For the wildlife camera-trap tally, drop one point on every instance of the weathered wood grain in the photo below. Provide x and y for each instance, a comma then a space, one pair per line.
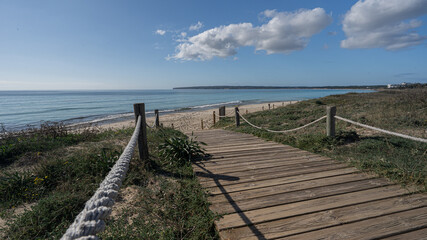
323, 219
273, 191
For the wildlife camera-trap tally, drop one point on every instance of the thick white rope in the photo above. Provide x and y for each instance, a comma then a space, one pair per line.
90, 221
382, 130
154, 124
284, 131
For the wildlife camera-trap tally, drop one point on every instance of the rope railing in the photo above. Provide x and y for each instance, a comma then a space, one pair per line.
330, 125
90, 221
154, 125
382, 130
283, 131
227, 115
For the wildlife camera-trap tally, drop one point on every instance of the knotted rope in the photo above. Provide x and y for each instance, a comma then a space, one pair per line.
90, 221
382, 130
284, 131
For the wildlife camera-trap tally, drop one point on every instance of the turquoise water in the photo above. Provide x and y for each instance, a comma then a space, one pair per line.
21, 108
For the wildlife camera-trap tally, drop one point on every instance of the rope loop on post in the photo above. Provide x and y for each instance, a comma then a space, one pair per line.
382, 130
154, 124
90, 221
284, 131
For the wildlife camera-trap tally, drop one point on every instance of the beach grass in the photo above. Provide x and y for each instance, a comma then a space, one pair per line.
32, 142
402, 111
41, 201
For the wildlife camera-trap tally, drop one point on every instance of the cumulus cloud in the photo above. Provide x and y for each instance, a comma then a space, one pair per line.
385, 24
285, 32
196, 26
160, 32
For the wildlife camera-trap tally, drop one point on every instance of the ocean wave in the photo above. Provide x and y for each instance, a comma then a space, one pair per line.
215, 104
102, 119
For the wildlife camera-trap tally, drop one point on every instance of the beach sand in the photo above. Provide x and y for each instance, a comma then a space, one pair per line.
191, 120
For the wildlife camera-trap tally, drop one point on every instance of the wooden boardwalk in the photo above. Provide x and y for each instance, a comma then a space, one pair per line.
272, 191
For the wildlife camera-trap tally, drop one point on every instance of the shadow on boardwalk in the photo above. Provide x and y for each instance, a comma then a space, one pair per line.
272, 191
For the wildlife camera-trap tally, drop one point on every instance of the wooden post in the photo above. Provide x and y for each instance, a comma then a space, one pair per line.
156, 113
139, 110
246, 111
269, 106
330, 121
214, 118
201, 122
236, 111
273, 106
283, 104
172, 126
221, 112
263, 108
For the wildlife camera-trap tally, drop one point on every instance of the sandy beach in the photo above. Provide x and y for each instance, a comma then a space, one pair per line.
191, 120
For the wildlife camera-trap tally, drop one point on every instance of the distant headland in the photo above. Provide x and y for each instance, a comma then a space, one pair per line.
279, 87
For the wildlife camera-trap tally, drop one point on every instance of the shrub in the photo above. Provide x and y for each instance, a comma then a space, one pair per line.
181, 150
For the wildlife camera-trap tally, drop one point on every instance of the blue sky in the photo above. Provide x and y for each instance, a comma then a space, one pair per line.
149, 44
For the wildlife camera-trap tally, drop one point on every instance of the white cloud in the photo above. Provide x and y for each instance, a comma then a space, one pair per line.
385, 24
183, 34
160, 32
284, 33
196, 26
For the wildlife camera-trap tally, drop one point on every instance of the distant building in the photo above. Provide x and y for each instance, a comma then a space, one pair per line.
400, 85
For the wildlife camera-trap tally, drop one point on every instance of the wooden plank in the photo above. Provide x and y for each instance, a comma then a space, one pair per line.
290, 187
287, 170
207, 175
320, 220
255, 183
296, 196
372, 228
263, 147
282, 156
212, 180
238, 145
416, 234
288, 210
255, 175
220, 142
253, 151
263, 164
278, 152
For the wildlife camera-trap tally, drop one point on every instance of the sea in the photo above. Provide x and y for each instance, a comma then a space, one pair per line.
22, 109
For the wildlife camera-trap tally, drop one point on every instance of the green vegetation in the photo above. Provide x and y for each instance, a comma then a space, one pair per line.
403, 111
168, 203
179, 150
66, 174
33, 141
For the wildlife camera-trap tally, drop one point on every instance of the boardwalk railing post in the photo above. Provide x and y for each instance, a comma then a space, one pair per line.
156, 112
221, 112
269, 106
236, 111
139, 110
214, 119
330, 121
201, 123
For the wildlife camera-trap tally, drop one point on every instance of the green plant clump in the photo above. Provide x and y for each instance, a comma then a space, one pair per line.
180, 150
